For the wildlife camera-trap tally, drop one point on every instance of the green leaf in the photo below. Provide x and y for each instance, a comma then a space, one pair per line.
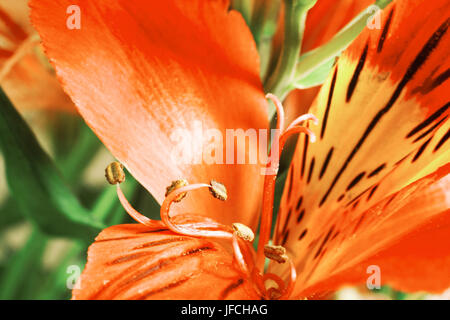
82, 152
36, 184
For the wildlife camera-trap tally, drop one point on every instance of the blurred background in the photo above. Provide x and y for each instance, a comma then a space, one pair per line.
49, 161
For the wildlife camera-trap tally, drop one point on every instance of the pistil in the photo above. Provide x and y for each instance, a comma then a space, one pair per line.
272, 170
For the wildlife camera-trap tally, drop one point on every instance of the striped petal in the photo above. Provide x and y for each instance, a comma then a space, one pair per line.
410, 246
384, 125
136, 262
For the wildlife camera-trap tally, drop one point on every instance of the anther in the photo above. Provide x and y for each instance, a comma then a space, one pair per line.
243, 232
218, 190
176, 185
114, 173
276, 253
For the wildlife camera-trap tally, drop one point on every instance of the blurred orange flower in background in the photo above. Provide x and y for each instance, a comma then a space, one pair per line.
25, 73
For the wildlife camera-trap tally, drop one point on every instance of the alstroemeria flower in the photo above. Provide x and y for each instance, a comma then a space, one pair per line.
25, 74
372, 190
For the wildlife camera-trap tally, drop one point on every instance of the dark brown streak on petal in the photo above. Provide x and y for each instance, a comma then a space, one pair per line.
356, 74
326, 162
385, 31
330, 98
161, 242
421, 150
358, 197
372, 192
442, 141
129, 257
432, 83
358, 224
288, 217
324, 242
172, 285
311, 169
285, 237
291, 183
426, 133
305, 150
231, 288
356, 180
377, 170
299, 203
300, 216
303, 234
429, 120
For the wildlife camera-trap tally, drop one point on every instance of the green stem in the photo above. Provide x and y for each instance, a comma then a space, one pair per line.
294, 25
311, 60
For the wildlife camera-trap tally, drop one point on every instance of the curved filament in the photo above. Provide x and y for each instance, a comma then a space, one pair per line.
192, 229
131, 211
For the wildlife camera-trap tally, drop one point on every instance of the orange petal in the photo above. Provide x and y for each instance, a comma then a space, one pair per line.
140, 71
384, 125
414, 257
133, 261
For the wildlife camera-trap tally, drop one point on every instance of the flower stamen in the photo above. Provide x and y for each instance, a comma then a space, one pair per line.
243, 232
138, 217
115, 175
276, 253
175, 185
193, 229
218, 190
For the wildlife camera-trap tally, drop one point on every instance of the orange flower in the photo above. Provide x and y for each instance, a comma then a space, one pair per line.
25, 74
373, 189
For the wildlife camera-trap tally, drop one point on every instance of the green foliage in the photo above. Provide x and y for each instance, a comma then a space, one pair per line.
36, 184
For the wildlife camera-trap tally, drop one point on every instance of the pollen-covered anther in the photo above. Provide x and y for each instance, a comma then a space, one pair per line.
218, 190
114, 173
243, 232
276, 253
176, 185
